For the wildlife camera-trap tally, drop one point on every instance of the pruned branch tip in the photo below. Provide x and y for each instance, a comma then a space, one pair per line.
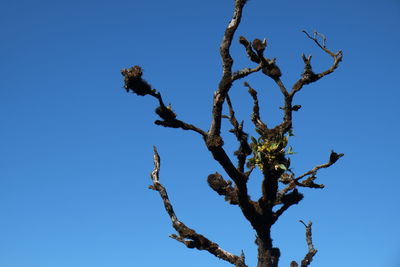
311, 250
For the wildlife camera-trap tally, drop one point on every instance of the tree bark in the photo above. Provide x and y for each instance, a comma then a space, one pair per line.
268, 256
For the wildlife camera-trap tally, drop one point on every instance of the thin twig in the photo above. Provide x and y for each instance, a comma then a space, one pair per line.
245, 72
309, 76
182, 125
292, 183
332, 159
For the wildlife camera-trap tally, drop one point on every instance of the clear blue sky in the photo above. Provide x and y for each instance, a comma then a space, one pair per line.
76, 149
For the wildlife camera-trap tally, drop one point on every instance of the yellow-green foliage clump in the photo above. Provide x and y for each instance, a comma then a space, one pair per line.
269, 152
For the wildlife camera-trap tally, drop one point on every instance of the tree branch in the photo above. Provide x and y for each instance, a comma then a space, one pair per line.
311, 250
134, 82
248, 207
255, 116
255, 53
223, 187
332, 159
286, 124
225, 84
249, 50
186, 235
214, 140
245, 72
227, 60
292, 182
180, 124
244, 148
308, 75
287, 200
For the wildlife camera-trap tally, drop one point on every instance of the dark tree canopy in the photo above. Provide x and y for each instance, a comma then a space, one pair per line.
269, 151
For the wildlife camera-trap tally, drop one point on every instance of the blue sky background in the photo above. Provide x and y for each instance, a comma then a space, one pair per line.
76, 149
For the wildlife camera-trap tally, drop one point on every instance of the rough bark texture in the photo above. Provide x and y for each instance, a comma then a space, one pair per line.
269, 151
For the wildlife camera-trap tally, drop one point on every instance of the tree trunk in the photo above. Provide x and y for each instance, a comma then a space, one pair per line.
267, 255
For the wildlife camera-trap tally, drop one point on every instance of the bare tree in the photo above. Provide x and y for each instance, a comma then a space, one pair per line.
269, 152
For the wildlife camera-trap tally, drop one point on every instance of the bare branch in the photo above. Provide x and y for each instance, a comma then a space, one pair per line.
226, 81
244, 148
249, 50
255, 52
271, 69
228, 36
292, 182
332, 159
248, 207
309, 182
245, 72
286, 124
311, 250
223, 187
186, 235
134, 82
282, 87
287, 200
308, 75
180, 124
214, 140
315, 39
292, 198
169, 119
255, 116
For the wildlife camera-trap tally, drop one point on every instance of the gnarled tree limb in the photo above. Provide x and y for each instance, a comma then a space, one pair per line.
308, 75
223, 187
186, 235
244, 148
311, 250
134, 82
255, 116
226, 81
292, 182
